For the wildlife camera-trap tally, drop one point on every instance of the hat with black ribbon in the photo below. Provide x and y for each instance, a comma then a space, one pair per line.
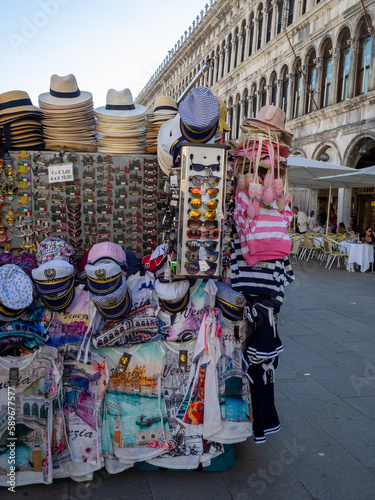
230, 302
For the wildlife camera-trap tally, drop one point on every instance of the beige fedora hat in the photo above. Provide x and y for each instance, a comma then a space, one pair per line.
16, 102
165, 105
120, 104
64, 91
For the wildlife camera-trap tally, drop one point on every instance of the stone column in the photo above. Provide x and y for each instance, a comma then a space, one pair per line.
242, 46
274, 19
304, 97
289, 109
371, 77
335, 76
236, 111
269, 94
343, 206
220, 64
318, 83
354, 42
255, 39
279, 92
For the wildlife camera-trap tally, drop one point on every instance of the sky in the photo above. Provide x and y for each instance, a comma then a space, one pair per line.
105, 43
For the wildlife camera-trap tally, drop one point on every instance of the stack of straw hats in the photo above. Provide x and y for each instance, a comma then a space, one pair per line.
165, 109
69, 119
120, 125
20, 122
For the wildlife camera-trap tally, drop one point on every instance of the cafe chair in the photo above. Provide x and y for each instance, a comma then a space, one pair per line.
334, 252
296, 246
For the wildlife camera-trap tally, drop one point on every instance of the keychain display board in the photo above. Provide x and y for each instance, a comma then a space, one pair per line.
201, 208
117, 198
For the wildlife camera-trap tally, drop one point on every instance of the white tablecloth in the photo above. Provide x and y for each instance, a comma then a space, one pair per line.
359, 253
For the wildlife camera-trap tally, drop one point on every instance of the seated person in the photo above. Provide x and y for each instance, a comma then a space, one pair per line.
350, 231
368, 236
318, 228
342, 229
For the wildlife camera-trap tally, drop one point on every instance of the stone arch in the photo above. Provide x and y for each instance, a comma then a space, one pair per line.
295, 151
351, 155
331, 148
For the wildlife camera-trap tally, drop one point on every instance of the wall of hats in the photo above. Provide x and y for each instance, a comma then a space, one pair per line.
202, 197
111, 198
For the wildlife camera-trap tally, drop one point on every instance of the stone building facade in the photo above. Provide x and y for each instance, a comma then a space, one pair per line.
313, 58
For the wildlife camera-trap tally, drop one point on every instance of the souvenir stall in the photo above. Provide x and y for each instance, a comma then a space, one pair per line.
139, 293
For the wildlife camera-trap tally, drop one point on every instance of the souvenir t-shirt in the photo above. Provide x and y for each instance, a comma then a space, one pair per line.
134, 422
200, 409
84, 387
234, 389
140, 324
30, 386
184, 325
189, 449
70, 331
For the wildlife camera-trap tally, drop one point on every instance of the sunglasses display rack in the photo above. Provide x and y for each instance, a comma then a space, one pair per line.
112, 198
201, 210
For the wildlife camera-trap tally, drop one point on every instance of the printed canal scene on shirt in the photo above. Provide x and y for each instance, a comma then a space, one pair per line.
134, 410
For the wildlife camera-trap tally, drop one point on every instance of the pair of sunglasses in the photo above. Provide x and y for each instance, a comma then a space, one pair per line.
198, 192
75, 233
194, 246
72, 225
74, 216
196, 215
74, 207
197, 224
195, 234
211, 205
198, 167
198, 180
194, 256
193, 268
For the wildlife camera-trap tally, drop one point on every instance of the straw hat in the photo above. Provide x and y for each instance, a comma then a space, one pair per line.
269, 118
64, 91
120, 104
16, 101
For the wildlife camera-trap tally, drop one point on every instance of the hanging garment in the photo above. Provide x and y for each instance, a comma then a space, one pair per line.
265, 280
234, 390
134, 421
70, 331
188, 447
266, 419
84, 387
262, 341
40, 436
141, 323
184, 325
200, 408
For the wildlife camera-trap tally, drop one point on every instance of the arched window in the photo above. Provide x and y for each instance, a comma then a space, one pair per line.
284, 89
236, 41
229, 52
246, 103
311, 83
263, 92
223, 61
280, 8
344, 66
251, 33
217, 63
26, 409
35, 410
297, 91
243, 45
269, 20
364, 58
290, 8
255, 100
327, 74
43, 413
260, 26
273, 84
303, 8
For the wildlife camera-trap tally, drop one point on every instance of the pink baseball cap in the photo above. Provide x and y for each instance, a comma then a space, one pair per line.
107, 250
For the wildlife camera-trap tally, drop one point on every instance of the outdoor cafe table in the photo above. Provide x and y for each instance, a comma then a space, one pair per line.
359, 253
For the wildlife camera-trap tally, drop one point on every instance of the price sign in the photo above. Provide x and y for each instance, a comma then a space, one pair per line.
60, 173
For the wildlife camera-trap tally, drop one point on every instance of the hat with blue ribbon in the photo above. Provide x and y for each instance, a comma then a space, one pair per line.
230, 302
53, 277
114, 305
59, 301
104, 277
174, 296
